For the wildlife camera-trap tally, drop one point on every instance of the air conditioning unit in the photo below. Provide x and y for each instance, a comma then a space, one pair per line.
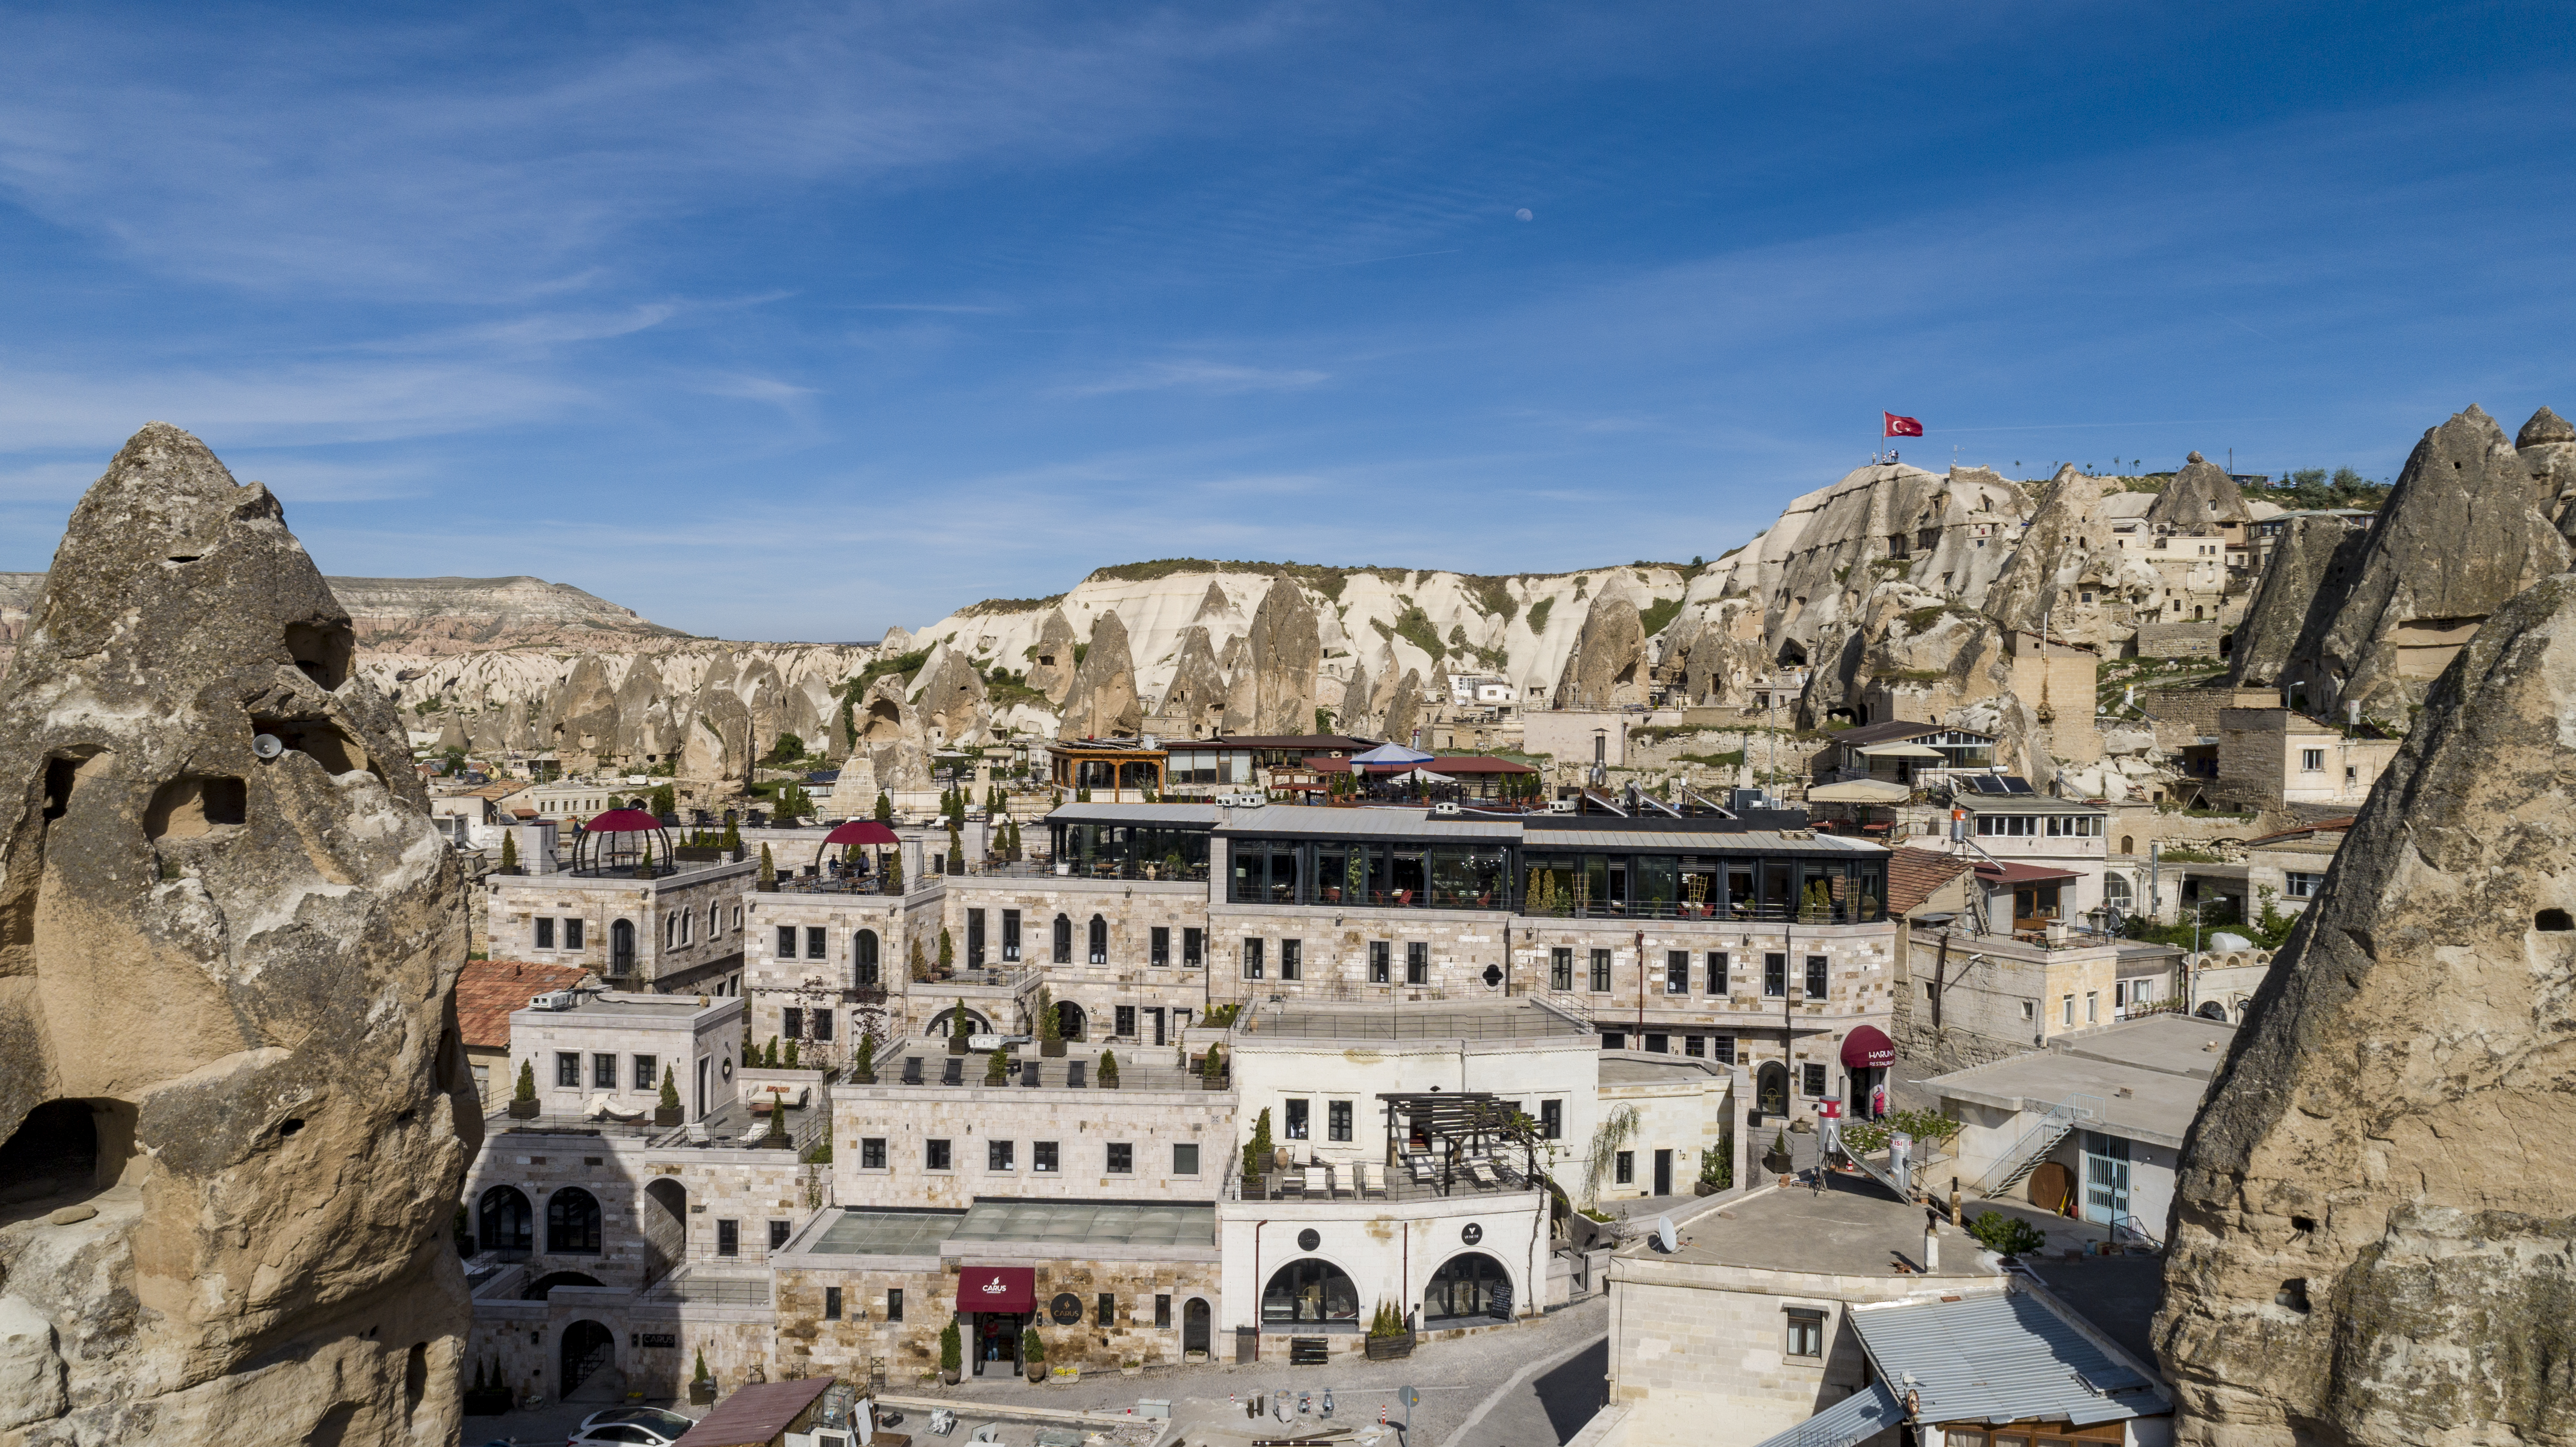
555, 1000
1444, 807
1242, 801
1560, 806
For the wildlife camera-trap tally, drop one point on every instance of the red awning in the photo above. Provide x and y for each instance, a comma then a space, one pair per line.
861, 831
997, 1288
622, 821
2019, 874
1866, 1049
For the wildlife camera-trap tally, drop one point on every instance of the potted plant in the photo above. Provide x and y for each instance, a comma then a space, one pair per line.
951, 1357
1716, 1168
1212, 1069
702, 1386
490, 1395
667, 1111
1109, 1070
1776, 1159
768, 872
1033, 1354
958, 1029
509, 855
523, 1101
1387, 1337
863, 1070
1257, 1152
1050, 1029
997, 1066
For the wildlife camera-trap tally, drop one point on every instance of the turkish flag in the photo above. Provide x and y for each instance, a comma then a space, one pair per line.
1901, 426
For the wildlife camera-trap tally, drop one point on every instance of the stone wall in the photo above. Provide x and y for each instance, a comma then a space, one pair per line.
970, 1118
2193, 639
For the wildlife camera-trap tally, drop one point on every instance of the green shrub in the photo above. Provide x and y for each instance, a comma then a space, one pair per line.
527, 1081
1032, 1346
2006, 1235
951, 1356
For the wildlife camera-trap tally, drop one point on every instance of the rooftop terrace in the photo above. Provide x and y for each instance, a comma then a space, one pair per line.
1852, 1227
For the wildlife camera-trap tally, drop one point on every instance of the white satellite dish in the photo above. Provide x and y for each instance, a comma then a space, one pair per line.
266, 746
1664, 1236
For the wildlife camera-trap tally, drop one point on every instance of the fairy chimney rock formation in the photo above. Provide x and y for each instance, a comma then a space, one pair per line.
226, 997
950, 696
2201, 496
2371, 1239
2547, 445
1051, 665
1103, 703
1272, 690
1606, 667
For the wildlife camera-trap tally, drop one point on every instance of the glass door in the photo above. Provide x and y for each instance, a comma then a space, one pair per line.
2106, 1179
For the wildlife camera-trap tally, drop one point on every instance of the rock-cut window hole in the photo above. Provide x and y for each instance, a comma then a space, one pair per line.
2293, 1294
189, 806
66, 1147
2553, 920
321, 651
321, 740
2303, 1223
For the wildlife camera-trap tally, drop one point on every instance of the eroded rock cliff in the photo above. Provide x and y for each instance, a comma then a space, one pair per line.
226, 1016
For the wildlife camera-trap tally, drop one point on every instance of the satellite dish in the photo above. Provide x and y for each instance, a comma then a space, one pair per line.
267, 746
1664, 1236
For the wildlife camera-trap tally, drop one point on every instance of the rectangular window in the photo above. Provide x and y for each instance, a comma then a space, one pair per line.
787, 942
2312, 761
1010, 937
1560, 969
1676, 972
974, 939
1626, 1168
648, 1073
1108, 1311
1722, 1048
1806, 1332
1817, 985
1296, 1120
1695, 1046
1193, 948
1717, 972
2068, 1008
831, 1303
1337, 1120
1042, 1156
728, 1238
2304, 886
1292, 959
777, 1234
822, 1023
1122, 1158
1381, 962
894, 1303
1600, 972
1158, 951
545, 933
1063, 940
2092, 1007
1162, 1311
1775, 975
872, 1155
572, 934
813, 942
997, 1155
1551, 1119
1417, 964
1659, 1044
1252, 968
1812, 1081
1126, 1019
934, 1155
791, 1022
568, 1068
1185, 1158
603, 1072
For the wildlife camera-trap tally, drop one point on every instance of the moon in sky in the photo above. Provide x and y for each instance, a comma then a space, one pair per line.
1523, 213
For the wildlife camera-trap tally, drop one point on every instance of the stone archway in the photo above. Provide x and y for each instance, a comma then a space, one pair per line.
1069, 1019
666, 1227
588, 1356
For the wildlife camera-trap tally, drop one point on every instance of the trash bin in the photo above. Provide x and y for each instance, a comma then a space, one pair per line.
1247, 1345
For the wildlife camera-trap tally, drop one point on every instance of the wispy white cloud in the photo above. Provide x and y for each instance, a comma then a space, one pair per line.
1197, 376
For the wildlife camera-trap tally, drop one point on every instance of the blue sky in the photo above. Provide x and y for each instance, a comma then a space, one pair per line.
788, 321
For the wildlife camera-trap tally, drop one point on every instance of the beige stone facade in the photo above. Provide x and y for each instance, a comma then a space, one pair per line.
681, 932
1158, 1137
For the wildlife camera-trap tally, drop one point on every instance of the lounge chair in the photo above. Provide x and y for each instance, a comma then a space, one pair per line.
1420, 1165
912, 1070
1319, 1181
1073, 1072
1371, 1179
1483, 1174
955, 1073
1291, 1183
1029, 1073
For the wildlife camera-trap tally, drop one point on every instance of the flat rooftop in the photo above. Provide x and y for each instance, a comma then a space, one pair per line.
1088, 1223
1853, 1227
1452, 1020
2163, 1064
884, 1233
617, 1007
1631, 1067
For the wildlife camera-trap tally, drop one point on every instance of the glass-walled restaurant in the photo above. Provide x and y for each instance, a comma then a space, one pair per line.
1841, 887
1097, 850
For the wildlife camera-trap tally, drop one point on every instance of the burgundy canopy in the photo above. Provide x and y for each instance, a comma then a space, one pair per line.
1867, 1049
861, 831
622, 821
997, 1288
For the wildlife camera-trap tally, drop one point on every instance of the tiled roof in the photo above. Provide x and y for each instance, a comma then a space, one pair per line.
1915, 875
490, 989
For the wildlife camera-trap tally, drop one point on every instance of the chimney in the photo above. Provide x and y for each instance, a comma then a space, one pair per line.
1931, 1249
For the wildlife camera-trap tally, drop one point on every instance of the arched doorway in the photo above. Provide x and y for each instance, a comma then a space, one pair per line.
1310, 1290
1194, 1325
944, 1024
863, 959
538, 1289
1068, 1019
588, 1348
666, 1227
505, 1220
1771, 1089
54, 1150
1469, 1284
621, 947
572, 1223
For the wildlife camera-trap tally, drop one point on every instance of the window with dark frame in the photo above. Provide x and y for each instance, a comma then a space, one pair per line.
1381, 962
1122, 1158
1417, 963
1193, 948
1162, 1311
1812, 1081
1717, 972
934, 1155
1806, 1336
1158, 949
1108, 1310
814, 942
1676, 972
1064, 939
974, 939
1624, 1168
603, 1071
1099, 940
1010, 937
1337, 1120
1126, 1021
1818, 984
1695, 1046
787, 942
1775, 975
728, 1238
572, 934
1600, 972
1296, 1130
1185, 1158
777, 1234
997, 1155
831, 1303
545, 932
1252, 969
1292, 959
791, 1022
1551, 1119
894, 1303
1560, 968
648, 1072
822, 1024
1042, 1156
568, 1068
1722, 1048
872, 1153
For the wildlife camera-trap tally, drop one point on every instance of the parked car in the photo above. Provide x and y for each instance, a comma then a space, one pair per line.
661, 1419
623, 1434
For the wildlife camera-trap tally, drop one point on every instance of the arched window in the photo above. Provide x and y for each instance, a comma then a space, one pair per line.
715, 920
670, 930
1099, 940
572, 1222
1310, 1290
1063, 939
1469, 1284
621, 947
1771, 1088
2128, 844
505, 1220
863, 959
2115, 890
